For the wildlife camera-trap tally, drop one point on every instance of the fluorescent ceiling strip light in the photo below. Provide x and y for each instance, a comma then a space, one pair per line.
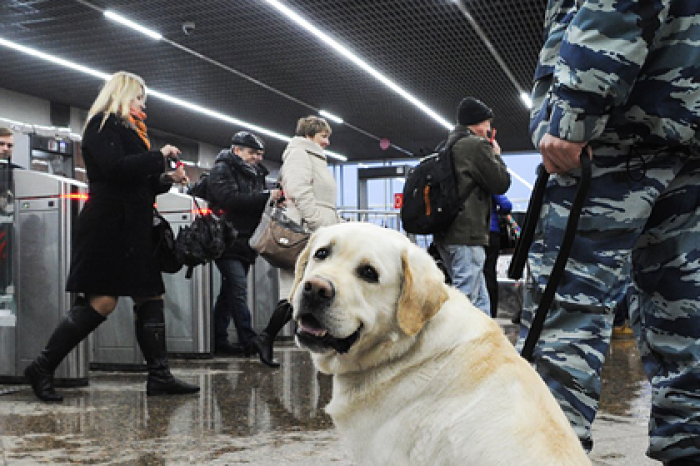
154, 93
527, 184
53, 59
331, 117
335, 155
130, 24
228, 119
359, 62
525, 97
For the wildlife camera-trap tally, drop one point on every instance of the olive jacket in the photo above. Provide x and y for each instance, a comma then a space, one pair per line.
480, 169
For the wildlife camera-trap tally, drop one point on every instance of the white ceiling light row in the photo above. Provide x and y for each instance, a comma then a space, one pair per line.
152, 92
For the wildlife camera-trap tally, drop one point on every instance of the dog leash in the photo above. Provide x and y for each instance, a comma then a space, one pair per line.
515, 270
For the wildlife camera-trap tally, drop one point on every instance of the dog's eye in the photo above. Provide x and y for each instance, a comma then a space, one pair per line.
368, 273
322, 253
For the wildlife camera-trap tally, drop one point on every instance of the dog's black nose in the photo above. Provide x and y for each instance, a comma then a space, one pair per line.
317, 290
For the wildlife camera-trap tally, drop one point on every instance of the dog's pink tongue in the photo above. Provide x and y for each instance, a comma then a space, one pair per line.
311, 327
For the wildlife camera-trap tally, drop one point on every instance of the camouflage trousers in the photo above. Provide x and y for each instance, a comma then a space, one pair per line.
638, 240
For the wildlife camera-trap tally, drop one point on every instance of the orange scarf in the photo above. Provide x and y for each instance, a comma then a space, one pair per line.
136, 119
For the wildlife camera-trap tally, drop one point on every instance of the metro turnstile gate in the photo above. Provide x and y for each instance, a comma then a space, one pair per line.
45, 208
187, 308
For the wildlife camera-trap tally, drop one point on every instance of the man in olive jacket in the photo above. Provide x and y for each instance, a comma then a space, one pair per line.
481, 171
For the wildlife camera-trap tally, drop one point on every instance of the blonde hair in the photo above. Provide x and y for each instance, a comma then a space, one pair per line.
116, 96
311, 125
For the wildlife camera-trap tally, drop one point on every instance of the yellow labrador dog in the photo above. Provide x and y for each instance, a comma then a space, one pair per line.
421, 377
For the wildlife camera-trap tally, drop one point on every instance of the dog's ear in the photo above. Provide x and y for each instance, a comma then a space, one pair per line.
302, 260
423, 292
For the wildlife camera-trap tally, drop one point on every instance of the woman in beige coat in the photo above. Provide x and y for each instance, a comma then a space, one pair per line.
310, 190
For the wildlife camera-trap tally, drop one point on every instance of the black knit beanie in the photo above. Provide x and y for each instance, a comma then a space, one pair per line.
472, 111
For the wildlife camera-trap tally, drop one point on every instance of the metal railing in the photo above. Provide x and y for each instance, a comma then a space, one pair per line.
384, 218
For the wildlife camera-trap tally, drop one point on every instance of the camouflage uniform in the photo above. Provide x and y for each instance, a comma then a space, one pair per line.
623, 75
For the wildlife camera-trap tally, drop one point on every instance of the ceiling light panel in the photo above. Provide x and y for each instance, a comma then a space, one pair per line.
426, 46
38, 54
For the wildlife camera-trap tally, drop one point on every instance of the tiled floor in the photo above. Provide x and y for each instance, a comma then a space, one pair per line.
247, 413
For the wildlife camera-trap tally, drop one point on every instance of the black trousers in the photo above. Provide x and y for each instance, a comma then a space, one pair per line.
492, 251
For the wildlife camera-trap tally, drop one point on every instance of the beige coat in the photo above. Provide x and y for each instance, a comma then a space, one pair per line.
310, 190
308, 184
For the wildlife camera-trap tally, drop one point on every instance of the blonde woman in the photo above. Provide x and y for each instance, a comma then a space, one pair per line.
112, 250
310, 190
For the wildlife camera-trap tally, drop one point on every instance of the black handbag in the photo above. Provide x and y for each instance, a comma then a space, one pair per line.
164, 244
204, 240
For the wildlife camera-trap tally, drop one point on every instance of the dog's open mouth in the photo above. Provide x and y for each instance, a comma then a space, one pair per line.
314, 336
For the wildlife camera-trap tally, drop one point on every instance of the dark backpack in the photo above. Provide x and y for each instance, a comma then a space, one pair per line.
430, 201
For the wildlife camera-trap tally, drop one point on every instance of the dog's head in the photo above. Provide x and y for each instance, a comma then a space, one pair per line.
361, 294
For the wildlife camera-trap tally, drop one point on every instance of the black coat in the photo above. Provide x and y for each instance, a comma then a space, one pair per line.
239, 190
112, 248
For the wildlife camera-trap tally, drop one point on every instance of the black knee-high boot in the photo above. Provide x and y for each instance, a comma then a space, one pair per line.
265, 341
78, 323
150, 335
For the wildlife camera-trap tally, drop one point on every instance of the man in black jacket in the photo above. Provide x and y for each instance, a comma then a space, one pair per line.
237, 187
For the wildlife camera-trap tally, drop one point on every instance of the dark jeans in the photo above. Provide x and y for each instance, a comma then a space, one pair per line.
232, 303
492, 252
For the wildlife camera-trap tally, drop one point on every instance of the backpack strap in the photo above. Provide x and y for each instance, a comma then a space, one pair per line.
448, 144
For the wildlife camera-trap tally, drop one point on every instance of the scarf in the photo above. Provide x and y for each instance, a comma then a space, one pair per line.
136, 118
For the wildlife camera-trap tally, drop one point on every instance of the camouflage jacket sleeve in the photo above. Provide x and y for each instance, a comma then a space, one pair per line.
593, 53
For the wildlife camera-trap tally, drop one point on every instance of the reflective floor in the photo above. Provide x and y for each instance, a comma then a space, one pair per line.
247, 413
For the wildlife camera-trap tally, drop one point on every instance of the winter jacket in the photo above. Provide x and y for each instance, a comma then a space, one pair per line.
480, 169
239, 190
308, 184
624, 74
112, 246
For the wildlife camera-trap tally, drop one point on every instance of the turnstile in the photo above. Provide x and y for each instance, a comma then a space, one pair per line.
187, 308
45, 209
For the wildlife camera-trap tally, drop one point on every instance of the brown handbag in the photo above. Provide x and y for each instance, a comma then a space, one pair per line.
279, 239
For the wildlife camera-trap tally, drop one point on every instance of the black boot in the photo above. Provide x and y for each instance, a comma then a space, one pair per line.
78, 323
265, 341
150, 335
